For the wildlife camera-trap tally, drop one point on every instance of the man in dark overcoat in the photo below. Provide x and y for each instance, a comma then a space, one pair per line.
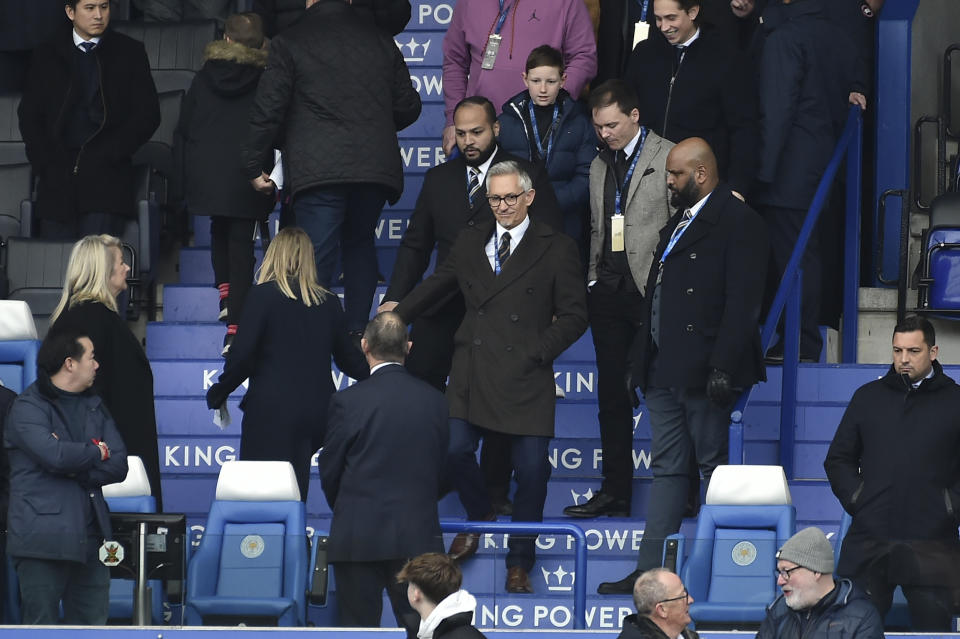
525, 304
893, 465
384, 507
89, 103
700, 344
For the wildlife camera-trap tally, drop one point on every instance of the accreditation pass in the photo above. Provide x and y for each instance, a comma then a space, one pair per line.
490, 53
616, 233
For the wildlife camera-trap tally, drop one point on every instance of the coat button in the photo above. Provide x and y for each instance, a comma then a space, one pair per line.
480, 312
689, 291
477, 341
509, 348
693, 256
530, 291
470, 223
514, 318
689, 328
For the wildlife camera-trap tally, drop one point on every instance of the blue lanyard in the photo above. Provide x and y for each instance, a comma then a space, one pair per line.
496, 253
633, 165
676, 238
503, 16
643, 10
536, 130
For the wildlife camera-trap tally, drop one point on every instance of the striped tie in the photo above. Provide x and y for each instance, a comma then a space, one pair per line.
88, 46
474, 185
504, 251
682, 224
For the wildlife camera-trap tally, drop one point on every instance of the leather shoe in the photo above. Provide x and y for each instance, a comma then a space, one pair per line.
622, 587
518, 581
466, 545
503, 507
599, 504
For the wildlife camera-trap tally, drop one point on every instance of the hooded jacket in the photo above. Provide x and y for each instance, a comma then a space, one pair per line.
844, 612
451, 619
574, 147
894, 467
213, 124
55, 469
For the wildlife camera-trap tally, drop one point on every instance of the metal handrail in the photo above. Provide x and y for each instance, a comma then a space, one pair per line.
540, 528
790, 288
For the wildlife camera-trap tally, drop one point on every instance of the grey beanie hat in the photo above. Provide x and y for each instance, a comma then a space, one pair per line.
809, 548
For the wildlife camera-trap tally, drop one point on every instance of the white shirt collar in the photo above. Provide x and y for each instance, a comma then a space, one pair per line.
699, 205
382, 364
483, 168
917, 383
632, 144
516, 233
77, 39
696, 34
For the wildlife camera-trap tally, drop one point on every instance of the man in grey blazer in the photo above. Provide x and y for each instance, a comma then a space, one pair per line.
629, 204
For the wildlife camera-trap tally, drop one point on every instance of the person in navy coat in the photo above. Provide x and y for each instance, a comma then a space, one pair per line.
381, 468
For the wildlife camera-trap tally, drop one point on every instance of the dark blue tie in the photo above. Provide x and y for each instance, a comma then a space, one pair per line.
87, 46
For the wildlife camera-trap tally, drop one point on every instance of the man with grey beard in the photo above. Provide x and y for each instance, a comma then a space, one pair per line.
815, 605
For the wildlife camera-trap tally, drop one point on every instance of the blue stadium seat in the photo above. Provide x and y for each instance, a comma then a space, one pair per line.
251, 565
748, 515
18, 345
939, 283
132, 495
899, 614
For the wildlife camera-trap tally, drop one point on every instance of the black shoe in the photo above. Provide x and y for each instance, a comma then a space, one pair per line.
599, 504
503, 507
622, 587
775, 356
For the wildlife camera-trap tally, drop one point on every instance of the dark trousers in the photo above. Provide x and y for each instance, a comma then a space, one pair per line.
298, 449
784, 226
684, 425
344, 216
360, 586
616, 318
931, 607
528, 457
231, 252
83, 588
83, 225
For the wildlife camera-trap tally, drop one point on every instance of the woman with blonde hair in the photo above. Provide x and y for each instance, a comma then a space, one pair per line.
96, 274
291, 327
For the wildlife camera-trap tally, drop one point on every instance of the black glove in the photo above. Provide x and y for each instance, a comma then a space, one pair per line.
720, 388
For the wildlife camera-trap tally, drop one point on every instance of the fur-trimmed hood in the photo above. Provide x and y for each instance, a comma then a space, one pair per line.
230, 68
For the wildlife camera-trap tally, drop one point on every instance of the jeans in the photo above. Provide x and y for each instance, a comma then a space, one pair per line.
344, 216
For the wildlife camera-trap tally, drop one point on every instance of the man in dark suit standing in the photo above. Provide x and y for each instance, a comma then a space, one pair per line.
453, 197
380, 468
525, 304
701, 344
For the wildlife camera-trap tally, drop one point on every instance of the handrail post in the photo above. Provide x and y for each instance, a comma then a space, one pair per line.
851, 260
791, 365
540, 528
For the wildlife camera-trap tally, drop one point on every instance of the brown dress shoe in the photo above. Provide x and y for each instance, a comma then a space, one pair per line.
464, 545
518, 581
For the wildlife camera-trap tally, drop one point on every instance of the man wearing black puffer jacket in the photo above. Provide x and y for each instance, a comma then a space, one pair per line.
893, 465
333, 96
814, 605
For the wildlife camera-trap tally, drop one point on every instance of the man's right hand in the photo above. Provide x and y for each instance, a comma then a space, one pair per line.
387, 306
449, 139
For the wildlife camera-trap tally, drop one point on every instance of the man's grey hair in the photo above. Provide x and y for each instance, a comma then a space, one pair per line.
648, 591
387, 338
510, 167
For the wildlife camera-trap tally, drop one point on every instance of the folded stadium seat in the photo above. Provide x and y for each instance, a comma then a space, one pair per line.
16, 179
18, 345
35, 271
251, 565
729, 572
132, 495
939, 283
172, 45
899, 614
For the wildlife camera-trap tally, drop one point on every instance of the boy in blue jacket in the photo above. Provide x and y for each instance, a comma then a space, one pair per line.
545, 125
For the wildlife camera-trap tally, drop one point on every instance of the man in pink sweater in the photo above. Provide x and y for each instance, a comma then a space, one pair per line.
488, 41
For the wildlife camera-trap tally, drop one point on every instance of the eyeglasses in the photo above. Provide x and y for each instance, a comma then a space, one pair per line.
785, 573
510, 199
682, 596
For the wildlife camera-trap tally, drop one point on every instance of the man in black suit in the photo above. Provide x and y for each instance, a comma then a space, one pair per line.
380, 468
453, 199
525, 304
692, 82
701, 344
